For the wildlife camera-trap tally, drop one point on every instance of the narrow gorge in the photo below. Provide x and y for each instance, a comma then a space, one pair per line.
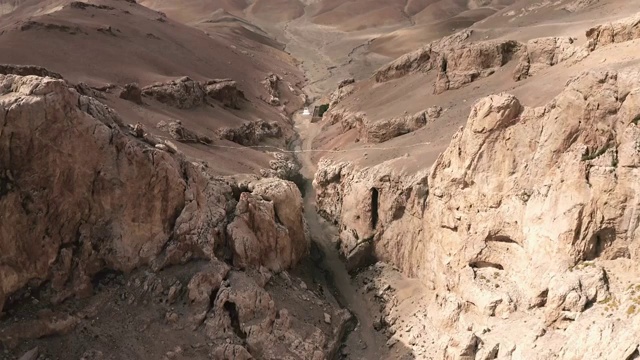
466, 188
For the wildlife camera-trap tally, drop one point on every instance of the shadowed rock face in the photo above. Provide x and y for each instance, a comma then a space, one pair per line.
84, 195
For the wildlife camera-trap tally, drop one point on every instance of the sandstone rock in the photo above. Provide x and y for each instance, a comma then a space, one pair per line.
180, 133
366, 204
269, 227
620, 31
578, 5
346, 82
132, 92
464, 64
251, 133
225, 91
381, 131
542, 53
464, 347
183, 93
200, 227
378, 131
340, 94
458, 63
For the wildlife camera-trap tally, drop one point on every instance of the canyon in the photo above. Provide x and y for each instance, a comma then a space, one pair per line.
469, 193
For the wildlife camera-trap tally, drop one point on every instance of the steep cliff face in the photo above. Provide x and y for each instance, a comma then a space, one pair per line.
540, 202
83, 194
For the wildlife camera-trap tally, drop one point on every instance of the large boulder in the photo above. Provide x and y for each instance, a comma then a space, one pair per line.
183, 93
423, 59
269, 227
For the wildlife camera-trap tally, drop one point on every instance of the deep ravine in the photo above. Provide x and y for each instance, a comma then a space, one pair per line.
370, 343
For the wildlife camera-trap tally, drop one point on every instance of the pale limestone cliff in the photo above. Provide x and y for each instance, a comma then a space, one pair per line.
530, 214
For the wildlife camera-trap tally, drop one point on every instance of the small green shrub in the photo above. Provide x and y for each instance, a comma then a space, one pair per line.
323, 109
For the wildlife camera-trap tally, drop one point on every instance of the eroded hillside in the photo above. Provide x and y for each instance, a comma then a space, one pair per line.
469, 194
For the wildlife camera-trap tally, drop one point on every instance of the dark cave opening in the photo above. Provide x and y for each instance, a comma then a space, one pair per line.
235, 319
374, 207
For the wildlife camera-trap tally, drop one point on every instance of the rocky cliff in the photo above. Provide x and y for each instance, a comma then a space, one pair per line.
529, 211
85, 195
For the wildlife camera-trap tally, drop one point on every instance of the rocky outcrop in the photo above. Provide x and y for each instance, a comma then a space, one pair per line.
247, 324
384, 130
458, 63
542, 53
186, 93
344, 89
102, 230
132, 92
620, 31
25, 70
423, 59
135, 200
378, 131
225, 91
272, 83
251, 133
369, 203
269, 227
464, 64
515, 226
180, 133
284, 166
183, 93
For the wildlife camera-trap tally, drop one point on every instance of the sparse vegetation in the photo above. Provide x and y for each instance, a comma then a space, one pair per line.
631, 310
636, 119
322, 109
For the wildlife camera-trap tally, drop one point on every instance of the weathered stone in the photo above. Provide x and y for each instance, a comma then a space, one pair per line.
620, 31
132, 92
269, 228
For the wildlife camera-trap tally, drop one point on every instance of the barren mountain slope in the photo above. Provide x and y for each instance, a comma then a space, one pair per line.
470, 193
119, 42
